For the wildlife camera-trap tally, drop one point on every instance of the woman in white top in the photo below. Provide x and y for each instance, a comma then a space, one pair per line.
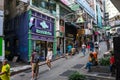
49, 58
83, 49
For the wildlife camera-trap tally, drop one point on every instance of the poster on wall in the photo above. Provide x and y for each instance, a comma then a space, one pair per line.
1, 23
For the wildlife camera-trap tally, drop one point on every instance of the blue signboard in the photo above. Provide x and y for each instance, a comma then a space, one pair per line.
99, 16
43, 27
86, 7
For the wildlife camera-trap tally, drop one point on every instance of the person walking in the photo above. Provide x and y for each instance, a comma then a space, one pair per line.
83, 49
112, 64
34, 64
49, 58
5, 73
69, 47
58, 51
96, 45
88, 48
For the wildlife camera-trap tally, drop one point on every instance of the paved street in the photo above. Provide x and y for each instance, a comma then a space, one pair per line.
59, 67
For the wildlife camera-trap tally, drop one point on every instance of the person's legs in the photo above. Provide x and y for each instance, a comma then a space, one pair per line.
33, 71
37, 70
88, 66
83, 51
48, 63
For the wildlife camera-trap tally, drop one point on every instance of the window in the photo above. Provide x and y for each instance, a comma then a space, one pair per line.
46, 4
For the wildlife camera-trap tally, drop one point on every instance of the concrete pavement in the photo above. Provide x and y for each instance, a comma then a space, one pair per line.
62, 67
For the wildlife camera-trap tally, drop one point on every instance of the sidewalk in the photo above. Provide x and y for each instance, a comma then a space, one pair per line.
96, 75
15, 70
23, 67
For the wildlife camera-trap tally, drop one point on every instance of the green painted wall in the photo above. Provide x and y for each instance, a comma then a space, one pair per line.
55, 40
29, 37
1, 47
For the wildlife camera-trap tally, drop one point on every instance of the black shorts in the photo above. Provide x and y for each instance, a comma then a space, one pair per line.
96, 48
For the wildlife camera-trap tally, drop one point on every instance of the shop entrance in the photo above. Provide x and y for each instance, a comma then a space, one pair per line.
41, 47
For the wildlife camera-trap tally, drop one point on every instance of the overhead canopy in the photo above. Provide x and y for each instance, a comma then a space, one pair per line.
116, 3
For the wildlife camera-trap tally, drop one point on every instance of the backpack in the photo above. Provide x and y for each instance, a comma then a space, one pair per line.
36, 58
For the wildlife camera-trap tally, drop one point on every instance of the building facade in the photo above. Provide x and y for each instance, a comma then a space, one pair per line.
39, 24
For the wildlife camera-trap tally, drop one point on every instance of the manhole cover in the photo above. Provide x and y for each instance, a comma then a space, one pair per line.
78, 66
103, 74
67, 73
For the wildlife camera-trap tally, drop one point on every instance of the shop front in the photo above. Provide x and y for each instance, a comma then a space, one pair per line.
70, 34
42, 33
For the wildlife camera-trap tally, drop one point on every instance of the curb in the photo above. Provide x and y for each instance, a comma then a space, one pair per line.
29, 67
100, 77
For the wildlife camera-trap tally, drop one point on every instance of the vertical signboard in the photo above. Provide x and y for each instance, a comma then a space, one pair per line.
99, 16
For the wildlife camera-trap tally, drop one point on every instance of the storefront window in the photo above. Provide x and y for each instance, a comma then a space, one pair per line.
45, 4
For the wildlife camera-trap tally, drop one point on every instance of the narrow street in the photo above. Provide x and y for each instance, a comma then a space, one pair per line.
60, 68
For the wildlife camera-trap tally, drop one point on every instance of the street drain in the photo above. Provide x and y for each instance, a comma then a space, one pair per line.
78, 66
67, 73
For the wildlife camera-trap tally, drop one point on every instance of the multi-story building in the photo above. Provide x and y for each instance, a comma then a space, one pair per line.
33, 25
39, 24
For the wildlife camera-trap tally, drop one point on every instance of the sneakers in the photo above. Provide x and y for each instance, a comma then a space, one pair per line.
32, 79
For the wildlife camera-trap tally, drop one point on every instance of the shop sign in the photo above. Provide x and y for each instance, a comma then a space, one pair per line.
43, 27
86, 7
43, 32
99, 16
42, 37
81, 32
